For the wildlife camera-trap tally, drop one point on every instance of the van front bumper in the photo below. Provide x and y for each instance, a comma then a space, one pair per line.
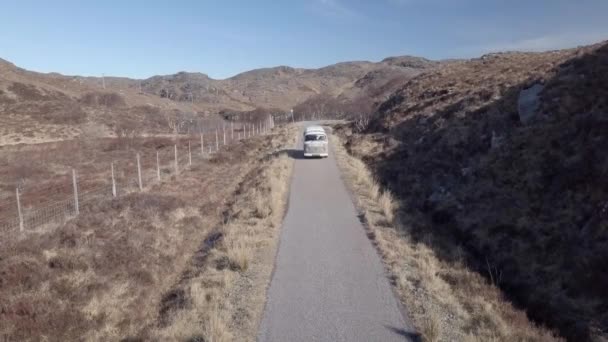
315, 154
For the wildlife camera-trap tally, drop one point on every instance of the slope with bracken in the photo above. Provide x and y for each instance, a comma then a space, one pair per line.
502, 158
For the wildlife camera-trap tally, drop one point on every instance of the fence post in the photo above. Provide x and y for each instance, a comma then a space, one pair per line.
157, 167
217, 141
175, 150
76, 206
141, 186
202, 145
189, 154
113, 180
231, 130
224, 137
19, 210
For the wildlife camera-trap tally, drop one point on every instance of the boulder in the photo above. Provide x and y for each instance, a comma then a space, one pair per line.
528, 103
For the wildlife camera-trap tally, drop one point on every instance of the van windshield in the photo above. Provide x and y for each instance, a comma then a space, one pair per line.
314, 137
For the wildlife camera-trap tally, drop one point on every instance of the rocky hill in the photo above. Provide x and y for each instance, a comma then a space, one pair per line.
37, 107
504, 158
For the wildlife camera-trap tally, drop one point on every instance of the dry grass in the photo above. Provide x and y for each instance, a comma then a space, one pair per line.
445, 300
431, 329
136, 267
388, 205
522, 200
239, 253
226, 292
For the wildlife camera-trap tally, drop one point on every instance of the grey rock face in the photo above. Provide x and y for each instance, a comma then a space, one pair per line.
528, 103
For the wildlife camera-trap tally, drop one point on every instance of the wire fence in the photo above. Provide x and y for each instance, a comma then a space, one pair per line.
62, 199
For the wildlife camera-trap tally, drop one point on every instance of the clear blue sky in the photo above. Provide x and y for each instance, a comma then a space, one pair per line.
222, 38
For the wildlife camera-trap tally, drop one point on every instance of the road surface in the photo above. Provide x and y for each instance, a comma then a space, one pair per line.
329, 283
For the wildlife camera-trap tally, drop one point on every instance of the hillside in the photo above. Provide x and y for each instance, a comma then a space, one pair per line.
37, 107
501, 160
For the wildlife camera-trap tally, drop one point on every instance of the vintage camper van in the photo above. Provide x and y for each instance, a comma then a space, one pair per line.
315, 142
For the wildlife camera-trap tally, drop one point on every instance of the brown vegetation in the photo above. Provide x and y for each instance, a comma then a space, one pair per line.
520, 202
225, 288
446, 301
111, 272
38, 107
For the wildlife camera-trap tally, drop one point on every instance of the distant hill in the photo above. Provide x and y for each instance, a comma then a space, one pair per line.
49, 106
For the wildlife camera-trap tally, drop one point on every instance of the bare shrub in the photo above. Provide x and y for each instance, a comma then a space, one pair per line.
431, 329
374, 191
26, 92
387, 203
215, 326
109, 100
361, 123
261, 208
239, 255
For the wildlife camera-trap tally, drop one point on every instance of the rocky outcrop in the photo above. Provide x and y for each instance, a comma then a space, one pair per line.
529, 102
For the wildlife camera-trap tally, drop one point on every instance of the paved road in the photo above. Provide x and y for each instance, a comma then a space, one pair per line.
329, 283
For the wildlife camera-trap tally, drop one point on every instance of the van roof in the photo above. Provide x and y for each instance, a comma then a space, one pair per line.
314, 129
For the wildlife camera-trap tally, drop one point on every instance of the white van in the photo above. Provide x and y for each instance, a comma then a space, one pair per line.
315, 142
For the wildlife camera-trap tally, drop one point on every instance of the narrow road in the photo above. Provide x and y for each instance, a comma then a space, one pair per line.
329, 283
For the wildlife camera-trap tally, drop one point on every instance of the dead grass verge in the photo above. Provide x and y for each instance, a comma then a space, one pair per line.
446, 301
225, 294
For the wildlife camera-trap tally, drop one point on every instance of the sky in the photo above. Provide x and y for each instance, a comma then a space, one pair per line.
140, 39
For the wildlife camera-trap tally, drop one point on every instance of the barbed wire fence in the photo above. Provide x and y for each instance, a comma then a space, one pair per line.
25, 211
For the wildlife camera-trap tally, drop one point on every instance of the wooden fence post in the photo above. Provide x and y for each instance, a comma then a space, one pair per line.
157, 167
224, 137
189, 154
19, 210
217, 141
141, 186
113, 180
231, 130
175, 150
74, 183
202, 145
